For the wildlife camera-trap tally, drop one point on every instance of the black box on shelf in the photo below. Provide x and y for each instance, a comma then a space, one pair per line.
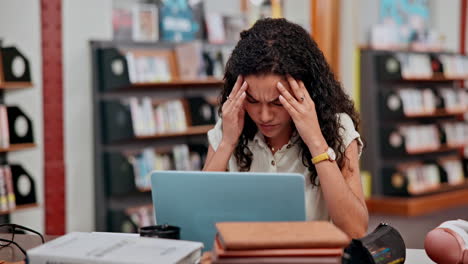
388, 67
14, 66
119, 173
465, 167
390, 104
436, 64
116, 121
392, 142
23, 185
394, 182
113, 69
200, 112
19, 126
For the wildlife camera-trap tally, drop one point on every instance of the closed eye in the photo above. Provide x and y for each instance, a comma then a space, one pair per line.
277, 102
250, 99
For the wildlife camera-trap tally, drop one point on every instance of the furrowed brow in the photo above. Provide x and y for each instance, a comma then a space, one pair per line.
274, 100
249, 95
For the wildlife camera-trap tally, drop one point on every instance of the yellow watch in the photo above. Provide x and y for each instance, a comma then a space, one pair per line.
327, 155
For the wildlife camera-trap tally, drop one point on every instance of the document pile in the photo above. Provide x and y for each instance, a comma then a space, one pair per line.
100, 248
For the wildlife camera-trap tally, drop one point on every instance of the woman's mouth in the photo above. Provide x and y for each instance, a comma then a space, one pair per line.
267, 126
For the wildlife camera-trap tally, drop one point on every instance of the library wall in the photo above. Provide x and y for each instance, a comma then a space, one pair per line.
348, 40
26, 36
78, 105
445, 18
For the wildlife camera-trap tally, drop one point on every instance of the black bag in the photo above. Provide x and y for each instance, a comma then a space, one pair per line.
383, 245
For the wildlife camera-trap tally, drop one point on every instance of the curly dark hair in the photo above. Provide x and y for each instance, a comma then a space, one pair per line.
277, 46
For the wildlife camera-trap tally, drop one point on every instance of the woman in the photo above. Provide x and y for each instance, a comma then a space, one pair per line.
284, 111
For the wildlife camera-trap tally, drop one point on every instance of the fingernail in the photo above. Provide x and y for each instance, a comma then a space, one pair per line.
280, 97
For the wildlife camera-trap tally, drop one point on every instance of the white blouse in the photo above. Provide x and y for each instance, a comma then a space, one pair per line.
288, 159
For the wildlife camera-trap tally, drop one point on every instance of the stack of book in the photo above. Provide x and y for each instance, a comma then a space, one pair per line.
278, 242
97, 248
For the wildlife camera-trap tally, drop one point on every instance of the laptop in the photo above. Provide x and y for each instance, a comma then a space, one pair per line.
196, 200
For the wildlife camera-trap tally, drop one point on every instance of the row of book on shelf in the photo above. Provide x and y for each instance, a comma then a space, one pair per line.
180, 157
429, 136
7, 194
427, 100
186, 61
424, 177
420, 65
4, 128
171, 116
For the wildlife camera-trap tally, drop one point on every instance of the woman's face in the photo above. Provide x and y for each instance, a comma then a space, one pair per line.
264, 107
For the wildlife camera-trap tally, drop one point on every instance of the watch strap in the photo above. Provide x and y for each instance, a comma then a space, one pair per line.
320, 157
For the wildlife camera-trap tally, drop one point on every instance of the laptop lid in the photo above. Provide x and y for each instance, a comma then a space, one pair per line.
196, 200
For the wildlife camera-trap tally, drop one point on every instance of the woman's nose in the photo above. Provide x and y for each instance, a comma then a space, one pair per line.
266, 115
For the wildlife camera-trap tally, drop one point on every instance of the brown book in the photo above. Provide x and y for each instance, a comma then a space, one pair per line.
280, 235
280, 260
220, 253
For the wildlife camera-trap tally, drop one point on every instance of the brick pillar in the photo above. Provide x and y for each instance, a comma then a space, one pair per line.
52, 85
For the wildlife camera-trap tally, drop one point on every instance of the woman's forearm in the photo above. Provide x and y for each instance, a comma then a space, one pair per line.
220, 158
346, 210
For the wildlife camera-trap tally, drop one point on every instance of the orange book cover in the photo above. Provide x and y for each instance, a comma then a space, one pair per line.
280, 235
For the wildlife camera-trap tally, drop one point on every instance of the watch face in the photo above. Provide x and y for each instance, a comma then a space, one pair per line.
331, 154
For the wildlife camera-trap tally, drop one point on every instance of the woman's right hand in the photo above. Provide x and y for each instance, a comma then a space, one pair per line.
233, 113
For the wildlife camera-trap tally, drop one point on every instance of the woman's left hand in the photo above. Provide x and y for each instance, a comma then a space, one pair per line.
301, 108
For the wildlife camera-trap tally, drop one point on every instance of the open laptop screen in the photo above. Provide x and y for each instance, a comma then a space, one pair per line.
195, 200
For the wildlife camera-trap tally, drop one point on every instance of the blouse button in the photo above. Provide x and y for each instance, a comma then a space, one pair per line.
273, 162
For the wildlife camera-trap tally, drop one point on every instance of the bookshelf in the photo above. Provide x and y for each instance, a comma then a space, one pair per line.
121, 195
417, 206
392, 129
16, 134
409, 144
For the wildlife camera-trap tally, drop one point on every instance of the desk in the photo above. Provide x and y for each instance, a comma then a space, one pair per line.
413, 256
13, 254
417, 256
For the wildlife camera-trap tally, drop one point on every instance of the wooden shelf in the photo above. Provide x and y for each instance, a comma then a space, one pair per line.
415, 206
405, 49
16, 147
442, 148
179, 83
435, 79
196, 130
19, 207
438, 113
15, 85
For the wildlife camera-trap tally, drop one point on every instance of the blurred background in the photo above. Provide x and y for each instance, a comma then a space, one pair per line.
96, 94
